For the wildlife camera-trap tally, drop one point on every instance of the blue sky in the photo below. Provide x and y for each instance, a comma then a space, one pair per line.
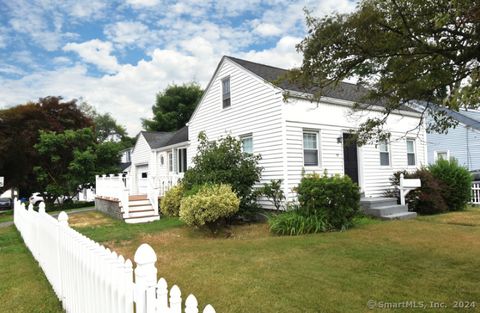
116, 55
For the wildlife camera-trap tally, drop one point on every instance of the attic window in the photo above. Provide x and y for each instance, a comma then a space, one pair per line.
226, 92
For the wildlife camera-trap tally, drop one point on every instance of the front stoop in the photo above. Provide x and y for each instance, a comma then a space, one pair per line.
386, 209
140, 210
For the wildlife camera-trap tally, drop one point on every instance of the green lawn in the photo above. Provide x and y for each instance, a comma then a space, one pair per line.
6, 216
433, 258
23, 287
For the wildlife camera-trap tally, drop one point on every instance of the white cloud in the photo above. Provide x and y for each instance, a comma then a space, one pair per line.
142, 3
283, 55
267, 29
95, 52
85, 9
128, 33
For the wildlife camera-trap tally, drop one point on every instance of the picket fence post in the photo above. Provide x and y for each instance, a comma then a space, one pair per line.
145, 275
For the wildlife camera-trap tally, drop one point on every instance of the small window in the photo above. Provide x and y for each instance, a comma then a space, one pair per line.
310, 149
170, 162
247, 143
162, 161
384, 153
226, 92
182, 160
144, 174
411, 158
444, 155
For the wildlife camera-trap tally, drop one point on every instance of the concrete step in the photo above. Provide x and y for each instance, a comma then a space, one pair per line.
400, 216
141, 213
134, 203
386, 210
142, 219
368, 203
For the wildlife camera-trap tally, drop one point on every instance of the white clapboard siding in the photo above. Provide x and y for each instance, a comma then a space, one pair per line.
89, 278
331, 120
255, 109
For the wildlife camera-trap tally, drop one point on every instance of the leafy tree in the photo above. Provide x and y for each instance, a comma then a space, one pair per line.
403, 50
19, 132
106, 127
69, 161
223, 162
173, 107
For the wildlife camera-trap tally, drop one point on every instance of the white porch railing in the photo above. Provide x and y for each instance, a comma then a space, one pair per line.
475, 192
114, 187
87, 277
167, 182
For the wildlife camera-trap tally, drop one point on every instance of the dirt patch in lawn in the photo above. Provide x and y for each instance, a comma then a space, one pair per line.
91, 218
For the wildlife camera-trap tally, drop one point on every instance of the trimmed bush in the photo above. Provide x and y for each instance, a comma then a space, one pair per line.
337, 198
209, 207
294, 223
223, 162
456, 183
424, 200
170, 204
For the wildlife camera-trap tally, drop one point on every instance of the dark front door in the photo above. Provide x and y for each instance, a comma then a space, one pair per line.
350, 159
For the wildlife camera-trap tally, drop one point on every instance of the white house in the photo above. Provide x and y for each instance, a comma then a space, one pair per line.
293, 136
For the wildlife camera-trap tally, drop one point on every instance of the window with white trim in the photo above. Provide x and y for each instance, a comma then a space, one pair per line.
310, 148
411, 152
170, 162
182, 160
384, 153
226, 101
247, 143
444, 155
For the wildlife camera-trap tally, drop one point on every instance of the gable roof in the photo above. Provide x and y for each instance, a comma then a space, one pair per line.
343, 90
158, 140
463, 118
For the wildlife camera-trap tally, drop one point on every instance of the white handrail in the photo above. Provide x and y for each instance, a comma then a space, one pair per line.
407, 185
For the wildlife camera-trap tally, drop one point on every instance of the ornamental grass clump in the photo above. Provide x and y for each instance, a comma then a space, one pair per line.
209, 207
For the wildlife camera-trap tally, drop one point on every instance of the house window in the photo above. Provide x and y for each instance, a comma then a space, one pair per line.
411, 152
144, 174
182, 160
226, 92
384, 153
444, 155
170, 162
310, 148
247, 143
128, 157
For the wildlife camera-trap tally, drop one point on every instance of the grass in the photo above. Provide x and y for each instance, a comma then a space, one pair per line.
6, 216
23, 287
433, 258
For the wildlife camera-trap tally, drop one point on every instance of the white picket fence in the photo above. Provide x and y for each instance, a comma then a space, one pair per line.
475, 193
87, 277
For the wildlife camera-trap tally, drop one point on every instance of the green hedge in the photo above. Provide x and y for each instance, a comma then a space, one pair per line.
337, 198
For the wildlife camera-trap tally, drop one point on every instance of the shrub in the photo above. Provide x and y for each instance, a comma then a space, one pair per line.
273, 192
424, 200
223, 162
456, 183
337, 198
294, 223
170, 204
210, 206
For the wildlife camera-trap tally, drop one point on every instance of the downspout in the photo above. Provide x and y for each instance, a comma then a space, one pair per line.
468, 150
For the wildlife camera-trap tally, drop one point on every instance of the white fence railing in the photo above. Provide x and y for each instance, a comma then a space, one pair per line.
87, 277
475, 192
167, 182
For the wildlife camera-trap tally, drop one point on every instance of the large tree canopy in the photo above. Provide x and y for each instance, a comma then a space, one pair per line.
68, 161
173, 107
106, 127
403, 50
19, 132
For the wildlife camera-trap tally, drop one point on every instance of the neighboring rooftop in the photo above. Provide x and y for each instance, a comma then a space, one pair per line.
467, 118
158, 140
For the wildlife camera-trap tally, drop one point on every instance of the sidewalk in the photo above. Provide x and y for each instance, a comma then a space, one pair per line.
73, 211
